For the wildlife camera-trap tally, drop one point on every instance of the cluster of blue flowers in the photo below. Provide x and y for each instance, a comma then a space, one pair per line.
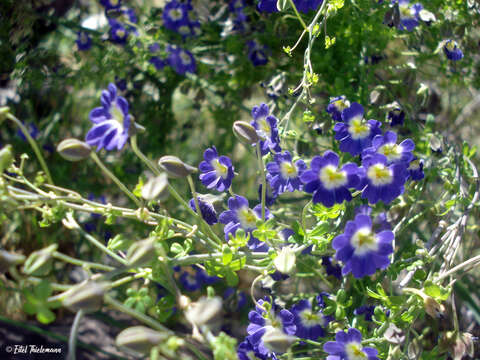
270, 6
177, 16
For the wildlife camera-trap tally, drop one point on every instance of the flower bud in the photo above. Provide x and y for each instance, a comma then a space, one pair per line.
74, 150
4, 110
285, 261
6, 157
414, 350
175, 167
277, 341
140, 338
245, 132
86, 296
8, 259
206, 311
433, 308
141, 252
156, 188
394, 335
39, 263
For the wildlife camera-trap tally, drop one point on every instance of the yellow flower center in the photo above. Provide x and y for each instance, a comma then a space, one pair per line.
354, 352
288, 170
341, 104
186, 60
363, 240
247, 218
332, 178
450, 45
391, 151
380, 175
220, 169
358, 128
175, 14
120, 33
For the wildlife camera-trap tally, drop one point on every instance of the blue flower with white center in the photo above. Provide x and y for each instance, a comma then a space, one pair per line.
387, 145
111, 4
348, 346
266, 126
409, 14
310, 323
452, 51
336, 106
156, 60
118, 32
257, 53
181, 60
360, 249
415, 169
261, 321
191, 281
240, 216
284, 174
328, 183
246, 351
216, 171
111, 121
208, 212
396, 116
354, 132
175, 14
84, 41
382, 180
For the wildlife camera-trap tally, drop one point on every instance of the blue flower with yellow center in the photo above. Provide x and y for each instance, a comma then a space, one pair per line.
452, 51
284, 174
415, 169
111, 121
266, 126
310, 324
348, 346
181, 60
336, 106
360, 249
354, 132
387, 145
111, 4
382, 180
409, 14
329, 183
216, 171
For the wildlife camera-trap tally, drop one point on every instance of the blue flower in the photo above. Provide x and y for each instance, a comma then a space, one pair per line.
84, 41
266, 126
336, 106
360, 249
216, 171
257, 53
111, 4
355, 133
387, 145
32, 130
240, 216
118, 32
305, 6
452, 51
246, 351
310, 324
237, 297
196, 279
327, 182
382, 181
348, 346
268, 6
380, 221
365, 310
176, 17
283, 174
396, 116
330, 268
415, 169
111, 121
181, 60
409, 15
207, 210
156, 60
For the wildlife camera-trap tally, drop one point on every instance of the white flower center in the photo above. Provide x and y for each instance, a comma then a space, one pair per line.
450, 45
184, 30
220, 169
380, 175
186, 60
358, 129
247, 217
332, 178
310, 319
175, 14
264, 128
354, 351
393, 152
364, 241
405, 11
414, 165
288, 170
120, 33
341, 104
114, 2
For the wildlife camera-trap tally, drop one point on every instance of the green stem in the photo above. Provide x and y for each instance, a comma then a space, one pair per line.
292, 4
72, 341
127, 279
85, 264
107, 172
141, 156
261, 167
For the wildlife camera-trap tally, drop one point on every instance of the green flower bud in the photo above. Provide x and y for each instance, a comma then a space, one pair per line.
156, 188
277, 341
8, 259
245, 132
86, 296
175, 167
341, 296
39, 263
206, 311
140, 338
141, 252
4, 110
74, 150
6, 157
285, 261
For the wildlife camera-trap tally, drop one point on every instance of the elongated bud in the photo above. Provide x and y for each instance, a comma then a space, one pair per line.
141, 252
245, 132
8, 259
175, 167
285, 261
6, 157
140, 338
74, 150
277, 341
4, 110
39, 263
156, 188
433, 308
206, 311
86, 296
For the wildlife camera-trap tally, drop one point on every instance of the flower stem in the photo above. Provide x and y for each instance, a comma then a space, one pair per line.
292, 4
72, 341
81, 263
264, 179
107, 172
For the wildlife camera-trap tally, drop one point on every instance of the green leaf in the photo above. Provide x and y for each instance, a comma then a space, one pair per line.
437, 292
45, 316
